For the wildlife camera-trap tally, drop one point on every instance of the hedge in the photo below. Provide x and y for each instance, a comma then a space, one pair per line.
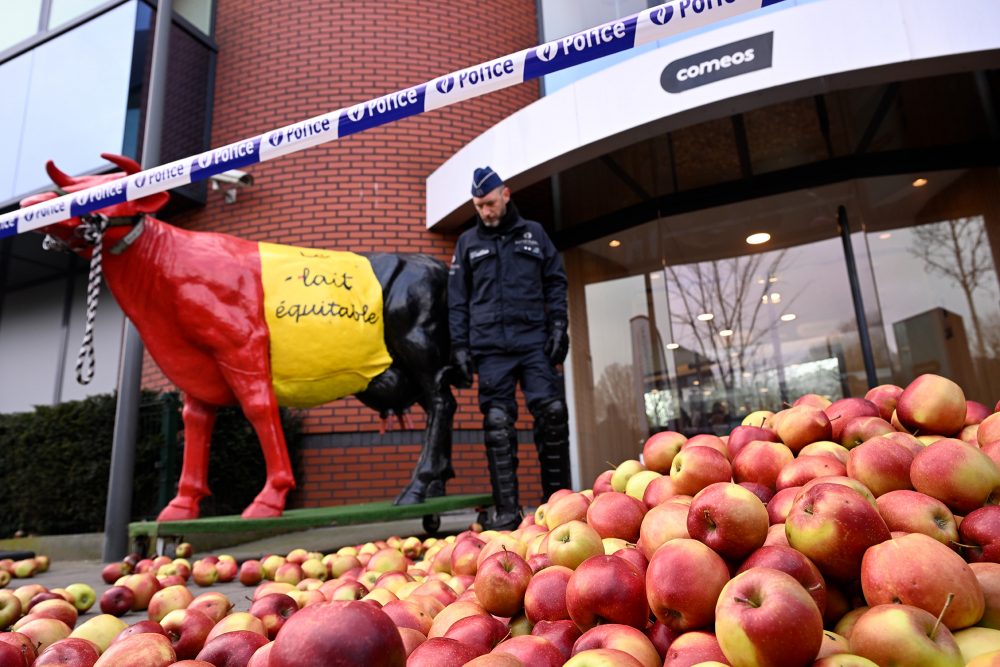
55, 461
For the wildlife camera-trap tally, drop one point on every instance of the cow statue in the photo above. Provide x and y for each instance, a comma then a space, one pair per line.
208, 307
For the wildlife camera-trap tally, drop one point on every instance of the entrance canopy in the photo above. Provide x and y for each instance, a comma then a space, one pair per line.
777, 56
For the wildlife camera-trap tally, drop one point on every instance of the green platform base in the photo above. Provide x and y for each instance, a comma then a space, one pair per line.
313, 517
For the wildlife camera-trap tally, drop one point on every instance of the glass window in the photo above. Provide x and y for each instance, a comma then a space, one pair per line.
76, 98
14, 75
64, 11
682, 325
18, 21
198, 12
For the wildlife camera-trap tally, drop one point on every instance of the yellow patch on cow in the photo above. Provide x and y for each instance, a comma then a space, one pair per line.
324, 315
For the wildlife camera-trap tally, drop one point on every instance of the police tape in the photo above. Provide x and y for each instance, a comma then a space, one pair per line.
666, 20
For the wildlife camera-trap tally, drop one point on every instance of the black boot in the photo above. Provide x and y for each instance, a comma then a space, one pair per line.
552, 442
501, 454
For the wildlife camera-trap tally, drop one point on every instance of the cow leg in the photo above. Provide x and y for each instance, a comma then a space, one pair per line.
198, 418
433, 469
260, 405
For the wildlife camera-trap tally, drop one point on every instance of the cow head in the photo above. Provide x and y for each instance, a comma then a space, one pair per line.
68, 231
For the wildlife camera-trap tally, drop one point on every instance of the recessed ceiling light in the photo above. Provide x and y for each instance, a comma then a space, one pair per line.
758, 238
696, 382
673, 346
775, 297
884, 235
705, 317
788, 317
726, 332
919, 182
614, 243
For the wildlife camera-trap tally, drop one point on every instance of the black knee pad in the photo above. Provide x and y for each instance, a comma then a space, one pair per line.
498, 425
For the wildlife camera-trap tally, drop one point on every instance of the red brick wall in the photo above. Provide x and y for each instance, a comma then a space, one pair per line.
280, 62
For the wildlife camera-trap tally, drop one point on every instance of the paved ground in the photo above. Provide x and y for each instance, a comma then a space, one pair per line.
325, 540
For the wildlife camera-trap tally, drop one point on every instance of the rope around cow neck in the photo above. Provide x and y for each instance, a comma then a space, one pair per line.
92, 230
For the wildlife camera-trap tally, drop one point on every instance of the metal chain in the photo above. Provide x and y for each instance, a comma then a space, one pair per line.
91, 230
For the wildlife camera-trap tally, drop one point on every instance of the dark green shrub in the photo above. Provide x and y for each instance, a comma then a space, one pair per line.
54, 465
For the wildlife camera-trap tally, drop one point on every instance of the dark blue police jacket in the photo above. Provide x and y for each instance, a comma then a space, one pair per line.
505, 287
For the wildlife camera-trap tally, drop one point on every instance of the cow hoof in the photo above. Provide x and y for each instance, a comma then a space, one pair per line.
179, 509
409, 496
260, 510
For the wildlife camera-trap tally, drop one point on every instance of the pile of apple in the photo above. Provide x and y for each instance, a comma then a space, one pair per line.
854, 533
22, 569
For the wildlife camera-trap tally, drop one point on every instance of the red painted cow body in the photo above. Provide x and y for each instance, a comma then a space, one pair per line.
197, 301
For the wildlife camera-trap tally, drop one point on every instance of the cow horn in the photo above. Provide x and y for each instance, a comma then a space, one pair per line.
58, 176
129, 165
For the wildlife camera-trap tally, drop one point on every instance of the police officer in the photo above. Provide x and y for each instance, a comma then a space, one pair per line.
507, 315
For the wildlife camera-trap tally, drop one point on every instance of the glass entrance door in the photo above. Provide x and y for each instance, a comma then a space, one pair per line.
685, 324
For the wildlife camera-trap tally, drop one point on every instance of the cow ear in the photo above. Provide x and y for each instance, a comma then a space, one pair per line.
151, 203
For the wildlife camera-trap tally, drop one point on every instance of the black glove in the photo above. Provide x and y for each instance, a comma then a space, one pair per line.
462, 368
557, 344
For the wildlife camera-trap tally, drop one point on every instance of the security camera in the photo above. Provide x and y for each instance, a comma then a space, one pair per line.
232, 177
230, 181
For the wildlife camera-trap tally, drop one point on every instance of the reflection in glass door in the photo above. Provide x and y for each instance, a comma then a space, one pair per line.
681, 324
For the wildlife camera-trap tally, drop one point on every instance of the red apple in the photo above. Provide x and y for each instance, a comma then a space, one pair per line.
860, 429
481, 631
979, 534
603, 483
694, 468
779, 505
142, 650
806, 468
213, 604
754, 616
137, 628
572, 543
442, 652
562, 634
989, 430
273, 610
801, 425
570, 507
988, 576
531, 650
624, 638
792, 562
234, 649
465, 554
659, 450
658, 491
683, 582
918, 570
915, 512
22, 644
728, 518
616, 515
143, 586
842, 411
117, 600
69, 652
885, 397
607, 589
740, 436
501, 583
338, 633
899, 634
976, 412
833, 526
932, 404
167, 600
956, 473
881, 464
58, 609
187, 630
761, 461
545, 596
661, 524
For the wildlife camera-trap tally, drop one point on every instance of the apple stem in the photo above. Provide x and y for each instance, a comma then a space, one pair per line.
746, 601
964, 546
947, 603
